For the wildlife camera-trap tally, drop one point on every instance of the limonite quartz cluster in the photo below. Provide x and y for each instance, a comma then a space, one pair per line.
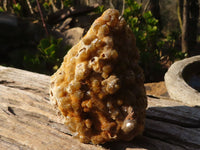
99, 87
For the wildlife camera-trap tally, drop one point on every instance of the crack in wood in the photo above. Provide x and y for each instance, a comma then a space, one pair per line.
11, 110
12, 144
173, 134
5, 82
5, 111
190, 126
152, 96
184, 116
24, 88
10, 84
165, 141
60, 127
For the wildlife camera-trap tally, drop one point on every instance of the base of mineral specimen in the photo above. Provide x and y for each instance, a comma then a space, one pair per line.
99, 87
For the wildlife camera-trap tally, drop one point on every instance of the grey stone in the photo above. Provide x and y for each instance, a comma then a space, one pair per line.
7, 19
177, 83
65, 24
73, 35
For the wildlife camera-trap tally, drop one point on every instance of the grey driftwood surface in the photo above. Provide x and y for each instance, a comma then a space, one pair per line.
28, 121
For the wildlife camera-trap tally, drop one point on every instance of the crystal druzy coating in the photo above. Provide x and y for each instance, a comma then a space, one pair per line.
99, 87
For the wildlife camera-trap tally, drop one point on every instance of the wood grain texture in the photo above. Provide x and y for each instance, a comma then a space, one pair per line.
28, 121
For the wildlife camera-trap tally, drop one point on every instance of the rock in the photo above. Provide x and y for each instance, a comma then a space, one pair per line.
65, 24
73, 35
8, 20
18, 37
99, 88
176, 77
157, 89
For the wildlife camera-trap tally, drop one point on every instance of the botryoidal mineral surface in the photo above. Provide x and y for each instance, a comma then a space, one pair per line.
99, 88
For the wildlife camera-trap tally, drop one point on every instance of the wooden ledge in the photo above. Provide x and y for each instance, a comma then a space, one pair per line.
28, 121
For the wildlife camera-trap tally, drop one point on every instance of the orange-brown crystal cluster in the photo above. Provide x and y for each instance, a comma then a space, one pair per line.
99, 87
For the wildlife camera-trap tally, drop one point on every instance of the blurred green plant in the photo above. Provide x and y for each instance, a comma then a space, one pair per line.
48, 57
48, 47
149, 40
17, 9
29, 8
100, 9
170, 43
1, 9
46, 6
67, 3
145, 29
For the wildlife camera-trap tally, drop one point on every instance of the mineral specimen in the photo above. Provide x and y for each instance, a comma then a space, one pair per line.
99, 87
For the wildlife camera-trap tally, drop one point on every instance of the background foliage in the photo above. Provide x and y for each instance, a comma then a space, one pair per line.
158, 48
155, 48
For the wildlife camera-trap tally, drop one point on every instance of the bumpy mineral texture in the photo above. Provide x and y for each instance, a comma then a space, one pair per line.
99, 87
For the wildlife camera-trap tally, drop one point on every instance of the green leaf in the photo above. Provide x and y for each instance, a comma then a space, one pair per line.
67, 3
46, 6
59, 40
1, 9
48, 50
100, 9
44, 43
17, 8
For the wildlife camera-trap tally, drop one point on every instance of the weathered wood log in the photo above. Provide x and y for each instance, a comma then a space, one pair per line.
28, 121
